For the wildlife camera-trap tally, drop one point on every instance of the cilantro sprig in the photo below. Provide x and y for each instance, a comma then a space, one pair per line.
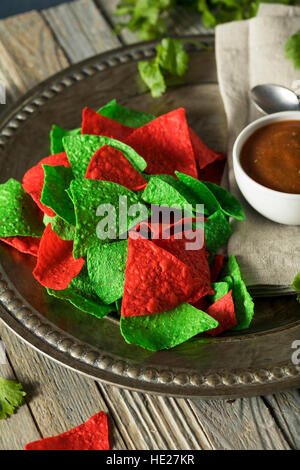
292, 49
170, 60
11, 397
150, 17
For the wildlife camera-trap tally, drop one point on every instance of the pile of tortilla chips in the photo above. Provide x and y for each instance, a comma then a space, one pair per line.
165, 291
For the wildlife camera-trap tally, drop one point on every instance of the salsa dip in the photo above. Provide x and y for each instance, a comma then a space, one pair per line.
266, 162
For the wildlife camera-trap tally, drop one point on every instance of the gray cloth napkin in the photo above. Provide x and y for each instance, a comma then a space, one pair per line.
250, 53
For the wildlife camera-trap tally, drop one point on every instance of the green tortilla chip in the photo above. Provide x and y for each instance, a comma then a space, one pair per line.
64, 230
81, 148
203, 194
106, 268
243, 304
167, 329
56, 138
217, 231
118, 304
87, 196
81, 294
189, 195
57, 181
19, 215
161, 193
229, 204
221, 289
125, 116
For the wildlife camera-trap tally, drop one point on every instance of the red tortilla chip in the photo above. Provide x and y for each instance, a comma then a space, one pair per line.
56, 266
96, 124
194, 259
27, 245
213, 172
109, 164
203, 154
155, 280
222, 311
91, 435
33, 180
165, 144
216, 267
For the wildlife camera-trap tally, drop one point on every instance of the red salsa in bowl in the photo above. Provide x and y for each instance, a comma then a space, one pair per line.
271, 156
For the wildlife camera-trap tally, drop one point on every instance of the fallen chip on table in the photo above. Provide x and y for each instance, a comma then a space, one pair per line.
19, 216
106, 268
91, 435
166, 329
57, 181
56, 266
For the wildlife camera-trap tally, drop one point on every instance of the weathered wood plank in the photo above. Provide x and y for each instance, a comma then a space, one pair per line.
61, 399
153, 422
109, 8
28, 53
285, 408
243, 424
80, 29
19, 428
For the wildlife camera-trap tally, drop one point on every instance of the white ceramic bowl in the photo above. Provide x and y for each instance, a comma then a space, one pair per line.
283, 208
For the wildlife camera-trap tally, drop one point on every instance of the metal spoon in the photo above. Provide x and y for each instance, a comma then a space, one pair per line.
274, 98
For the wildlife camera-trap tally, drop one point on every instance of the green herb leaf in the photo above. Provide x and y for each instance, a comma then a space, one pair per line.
292, 49
171, 59
172, 56
11, 396
151, 74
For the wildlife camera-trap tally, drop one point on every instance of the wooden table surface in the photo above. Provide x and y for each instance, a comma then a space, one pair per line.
34, 46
